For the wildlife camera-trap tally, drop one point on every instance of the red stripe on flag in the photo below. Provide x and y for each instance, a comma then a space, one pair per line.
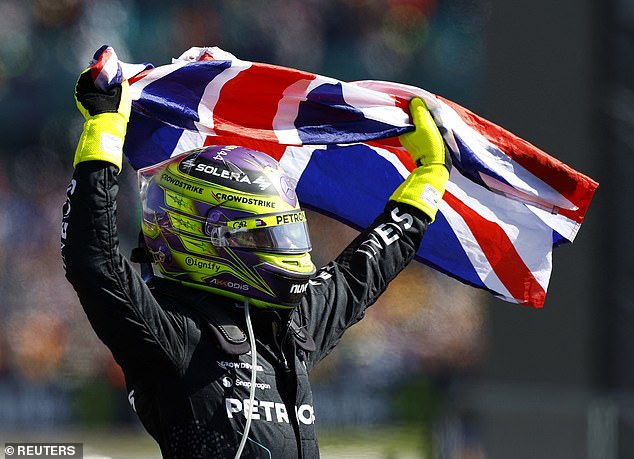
98, 66
262, 85
575, 186
273, 149
139, 76
501, 255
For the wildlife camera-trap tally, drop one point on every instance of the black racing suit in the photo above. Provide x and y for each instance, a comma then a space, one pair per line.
184, 351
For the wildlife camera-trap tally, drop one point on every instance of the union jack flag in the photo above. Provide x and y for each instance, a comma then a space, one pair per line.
507, 204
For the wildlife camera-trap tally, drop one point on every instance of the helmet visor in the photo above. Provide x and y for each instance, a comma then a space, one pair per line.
280, 233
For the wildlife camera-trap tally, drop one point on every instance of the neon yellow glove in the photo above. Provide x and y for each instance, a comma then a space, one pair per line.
107, 115
425, 186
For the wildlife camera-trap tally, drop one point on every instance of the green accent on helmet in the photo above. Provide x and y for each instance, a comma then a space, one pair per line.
248, 274
193, 245
179, 203
184, 186
150, 230
298, 262
186, 224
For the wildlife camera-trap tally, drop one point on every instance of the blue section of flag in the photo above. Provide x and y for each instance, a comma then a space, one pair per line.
174, 99
334, 180
151, 140
441, 239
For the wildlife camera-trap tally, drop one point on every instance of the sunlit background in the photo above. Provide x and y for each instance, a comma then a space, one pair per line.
436, 369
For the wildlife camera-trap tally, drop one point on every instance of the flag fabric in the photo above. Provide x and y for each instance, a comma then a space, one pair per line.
507, 203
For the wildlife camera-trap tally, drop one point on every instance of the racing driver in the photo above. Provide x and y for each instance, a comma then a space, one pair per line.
216, 347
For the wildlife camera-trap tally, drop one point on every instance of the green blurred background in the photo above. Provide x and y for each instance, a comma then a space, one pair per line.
437, 369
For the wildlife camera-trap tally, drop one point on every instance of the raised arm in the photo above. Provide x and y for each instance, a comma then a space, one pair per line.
119, 305
342, 290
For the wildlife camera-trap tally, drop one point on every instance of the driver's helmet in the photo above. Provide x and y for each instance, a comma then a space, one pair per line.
227, 219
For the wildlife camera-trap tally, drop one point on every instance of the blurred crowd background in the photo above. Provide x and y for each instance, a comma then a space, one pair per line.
428, 337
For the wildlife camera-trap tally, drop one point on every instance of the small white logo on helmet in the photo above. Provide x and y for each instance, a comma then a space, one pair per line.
189, 163
262, 183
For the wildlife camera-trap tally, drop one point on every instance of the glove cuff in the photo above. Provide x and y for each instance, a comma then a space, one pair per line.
423, 189
102, 139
